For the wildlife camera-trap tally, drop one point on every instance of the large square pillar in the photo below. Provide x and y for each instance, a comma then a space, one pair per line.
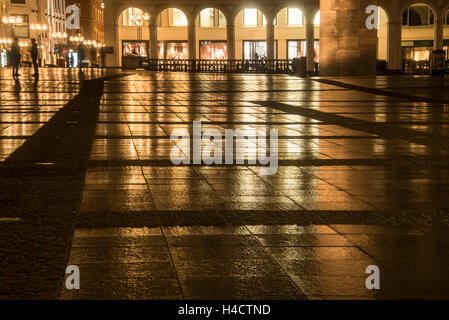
347, 47
110, 33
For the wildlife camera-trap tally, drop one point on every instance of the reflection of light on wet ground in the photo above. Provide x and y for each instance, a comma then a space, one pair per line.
343, 197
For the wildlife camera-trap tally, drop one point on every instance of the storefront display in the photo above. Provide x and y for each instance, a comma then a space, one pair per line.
298, 49
416, 56
255, 50
173, 50
138, 48
213, 50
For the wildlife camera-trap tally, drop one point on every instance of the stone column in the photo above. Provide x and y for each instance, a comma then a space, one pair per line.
394, 44
270, 38
192, 39
230, 40
347, 47
310, 41
153, 38
439, 28
111, 34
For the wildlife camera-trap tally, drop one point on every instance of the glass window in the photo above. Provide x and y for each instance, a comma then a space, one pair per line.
134, 48
250, 17
179, 19
21, 30
177, 50
317, 19
221, 19
418, 16
207, 18
296, 49
213, 50
294, 17
254, 50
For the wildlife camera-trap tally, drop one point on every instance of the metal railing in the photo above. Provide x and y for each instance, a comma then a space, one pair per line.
220, 66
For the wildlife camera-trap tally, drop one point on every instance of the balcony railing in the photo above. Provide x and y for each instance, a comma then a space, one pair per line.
220, 66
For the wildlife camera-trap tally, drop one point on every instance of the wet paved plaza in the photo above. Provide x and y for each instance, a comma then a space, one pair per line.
86, 180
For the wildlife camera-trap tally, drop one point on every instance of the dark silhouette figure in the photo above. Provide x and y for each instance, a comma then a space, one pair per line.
103, 56
81, 56
15, 56
93, 55
34, 56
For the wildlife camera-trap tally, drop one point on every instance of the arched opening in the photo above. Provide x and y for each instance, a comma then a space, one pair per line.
418, 22
250, 35
172, 34
133, 33
211, 34
382, 41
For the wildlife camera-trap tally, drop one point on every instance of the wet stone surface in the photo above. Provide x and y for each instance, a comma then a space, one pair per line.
86, 180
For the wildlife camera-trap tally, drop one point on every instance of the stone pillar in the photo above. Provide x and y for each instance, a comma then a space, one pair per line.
111, 34
347, 47
192, 40
270, 38
394, 44
439, 28
310, 41
230, 40
153, 39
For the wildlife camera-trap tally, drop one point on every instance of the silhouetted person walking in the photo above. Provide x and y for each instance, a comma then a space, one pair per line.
34, 56
15, 56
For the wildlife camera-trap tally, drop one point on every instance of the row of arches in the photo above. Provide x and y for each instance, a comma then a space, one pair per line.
135, 17
249, 29
407, 37
225, 26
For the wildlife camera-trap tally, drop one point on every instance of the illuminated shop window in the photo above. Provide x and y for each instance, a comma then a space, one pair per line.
250, 17
179, 19
294, 17
213, 50
298, 49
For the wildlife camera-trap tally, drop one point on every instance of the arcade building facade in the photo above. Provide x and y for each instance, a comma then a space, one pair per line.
330, 33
